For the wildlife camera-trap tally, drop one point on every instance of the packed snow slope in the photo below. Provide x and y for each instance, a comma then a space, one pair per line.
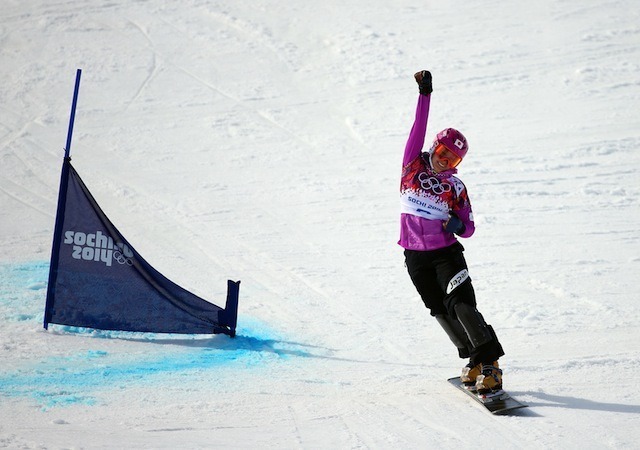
262, 141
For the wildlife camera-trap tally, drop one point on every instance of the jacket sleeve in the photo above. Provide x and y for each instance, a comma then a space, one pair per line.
466, 216
418, 131
462, 208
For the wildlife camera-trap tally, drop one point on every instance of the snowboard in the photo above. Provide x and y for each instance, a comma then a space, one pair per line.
501, 404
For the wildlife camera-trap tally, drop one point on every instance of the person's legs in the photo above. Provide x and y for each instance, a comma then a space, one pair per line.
423, 275
456, 333
442, 279
424, 278
460, 302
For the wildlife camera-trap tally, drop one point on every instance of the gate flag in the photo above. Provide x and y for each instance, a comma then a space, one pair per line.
98, 280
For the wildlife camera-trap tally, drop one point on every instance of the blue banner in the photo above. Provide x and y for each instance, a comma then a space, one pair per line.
98, 280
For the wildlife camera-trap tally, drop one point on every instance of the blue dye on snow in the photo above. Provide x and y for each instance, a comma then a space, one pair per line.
22, 291
82, 378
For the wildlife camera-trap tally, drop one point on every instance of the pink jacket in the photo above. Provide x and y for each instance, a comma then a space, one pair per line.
427, 198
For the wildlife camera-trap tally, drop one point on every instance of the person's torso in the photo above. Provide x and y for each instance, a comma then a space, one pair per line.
427, 194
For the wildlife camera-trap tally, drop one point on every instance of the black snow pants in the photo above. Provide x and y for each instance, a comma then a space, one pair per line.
442, 280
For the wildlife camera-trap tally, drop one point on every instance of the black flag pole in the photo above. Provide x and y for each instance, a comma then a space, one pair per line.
62, 195
67, 149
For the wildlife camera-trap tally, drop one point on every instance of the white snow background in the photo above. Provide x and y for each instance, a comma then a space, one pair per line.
262, 141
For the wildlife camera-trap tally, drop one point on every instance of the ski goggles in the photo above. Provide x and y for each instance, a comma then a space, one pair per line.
443, 152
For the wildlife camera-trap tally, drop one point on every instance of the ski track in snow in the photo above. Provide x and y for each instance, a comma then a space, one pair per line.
262, 142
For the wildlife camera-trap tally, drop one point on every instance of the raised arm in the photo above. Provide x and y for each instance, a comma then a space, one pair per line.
419, 129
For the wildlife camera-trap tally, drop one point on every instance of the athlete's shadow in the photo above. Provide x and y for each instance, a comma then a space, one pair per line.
560, 401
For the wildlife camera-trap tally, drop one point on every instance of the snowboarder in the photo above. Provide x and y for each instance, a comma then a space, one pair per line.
435, 208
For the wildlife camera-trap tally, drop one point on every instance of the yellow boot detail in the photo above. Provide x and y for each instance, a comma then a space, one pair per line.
490, 380
469, 374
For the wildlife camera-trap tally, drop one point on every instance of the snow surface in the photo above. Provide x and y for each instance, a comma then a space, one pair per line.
262, 141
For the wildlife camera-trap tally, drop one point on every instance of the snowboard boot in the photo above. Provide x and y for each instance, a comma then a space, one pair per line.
490, 380
469, 375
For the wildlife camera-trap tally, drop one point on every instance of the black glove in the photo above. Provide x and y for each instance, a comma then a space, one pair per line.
424, 82
454, 225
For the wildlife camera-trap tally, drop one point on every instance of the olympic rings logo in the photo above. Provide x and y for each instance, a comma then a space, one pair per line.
98, 246
120, 258
433, 184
